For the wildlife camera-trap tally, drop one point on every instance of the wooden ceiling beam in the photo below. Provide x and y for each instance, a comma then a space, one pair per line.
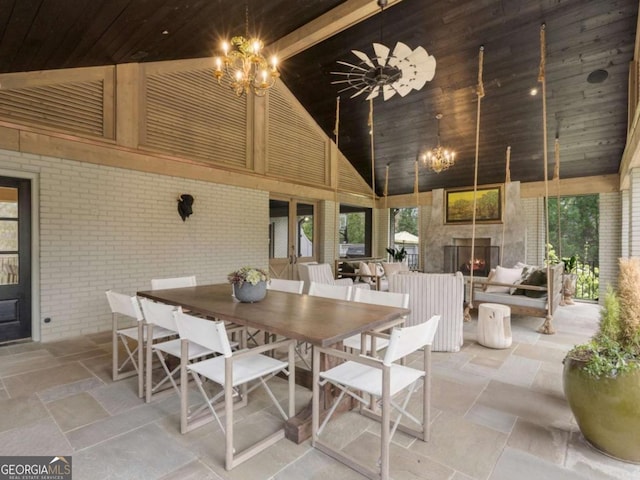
334, 21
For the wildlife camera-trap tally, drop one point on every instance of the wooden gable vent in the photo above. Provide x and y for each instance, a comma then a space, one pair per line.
188, 114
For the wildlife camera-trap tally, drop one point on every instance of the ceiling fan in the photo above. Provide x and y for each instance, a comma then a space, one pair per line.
394, 72
399, 72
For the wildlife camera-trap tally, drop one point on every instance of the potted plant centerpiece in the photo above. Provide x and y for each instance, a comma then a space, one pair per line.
397, 254
602, 378
249, 284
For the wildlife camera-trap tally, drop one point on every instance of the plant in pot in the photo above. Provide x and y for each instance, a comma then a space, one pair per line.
569, 278
397, 254
602, 379
249, 284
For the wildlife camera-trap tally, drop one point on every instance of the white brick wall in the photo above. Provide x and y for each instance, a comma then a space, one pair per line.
104, 227
624, 235
634, 212
610, 229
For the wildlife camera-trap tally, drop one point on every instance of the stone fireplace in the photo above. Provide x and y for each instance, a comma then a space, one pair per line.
458, 256
498, 243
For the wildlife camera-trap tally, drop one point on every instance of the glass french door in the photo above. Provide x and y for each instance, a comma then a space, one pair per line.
15, 259
293, 235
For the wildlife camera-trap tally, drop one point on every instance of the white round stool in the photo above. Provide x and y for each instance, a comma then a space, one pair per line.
494, 325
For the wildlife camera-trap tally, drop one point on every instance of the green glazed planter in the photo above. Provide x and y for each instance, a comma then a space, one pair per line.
607, 410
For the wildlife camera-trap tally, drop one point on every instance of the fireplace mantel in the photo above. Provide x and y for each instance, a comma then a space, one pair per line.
438, 235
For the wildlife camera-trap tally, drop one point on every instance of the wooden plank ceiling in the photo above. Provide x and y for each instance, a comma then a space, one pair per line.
590, 119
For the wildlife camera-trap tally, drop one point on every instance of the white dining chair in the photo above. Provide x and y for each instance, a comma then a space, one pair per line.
278, 285
336, 292
173, 282
122, 305
233, 371
160, 315
359, 376
373, 342
284, 285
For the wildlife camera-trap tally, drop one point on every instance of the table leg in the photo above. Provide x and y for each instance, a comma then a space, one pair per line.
299, 428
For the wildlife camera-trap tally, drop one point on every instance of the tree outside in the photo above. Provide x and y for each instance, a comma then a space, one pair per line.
579, 220
352, 227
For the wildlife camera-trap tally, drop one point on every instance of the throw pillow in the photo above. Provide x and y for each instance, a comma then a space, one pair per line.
391, 268
492, 274
537, 278
504, 275
364, 270
376, 269
348, 267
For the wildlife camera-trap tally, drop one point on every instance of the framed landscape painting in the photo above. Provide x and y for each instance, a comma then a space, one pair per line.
459, 205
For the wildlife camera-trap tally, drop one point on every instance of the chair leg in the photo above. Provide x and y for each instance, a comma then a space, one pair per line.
184, 397
141, 344
426, 395
385, 439
315, 399
228, 411
148, 362
114, 346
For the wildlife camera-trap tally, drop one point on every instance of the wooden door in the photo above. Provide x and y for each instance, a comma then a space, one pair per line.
293, 235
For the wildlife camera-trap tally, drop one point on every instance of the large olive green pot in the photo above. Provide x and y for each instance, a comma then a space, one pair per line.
607, 410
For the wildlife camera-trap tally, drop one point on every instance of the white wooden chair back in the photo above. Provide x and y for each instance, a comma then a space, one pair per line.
376, 297
282, 285
209, 334
124, 305
407, 340
159, 314
174, 282
337, 292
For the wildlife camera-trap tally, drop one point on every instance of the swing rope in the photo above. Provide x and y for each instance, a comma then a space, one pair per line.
507, 181
336, 195
373, 179
480, 94
546, 327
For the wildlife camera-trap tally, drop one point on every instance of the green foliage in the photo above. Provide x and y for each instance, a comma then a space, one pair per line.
588, 283
570, 263
353, 229
615, 348
606, 357
398, 254
579, 218
609, 317
307, 229
406, 220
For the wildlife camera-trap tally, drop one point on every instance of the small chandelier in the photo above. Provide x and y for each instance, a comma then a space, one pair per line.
243, 66
439, 158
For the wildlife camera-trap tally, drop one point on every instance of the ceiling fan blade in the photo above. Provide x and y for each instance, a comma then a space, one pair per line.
350, 65
359, 92
401, 51
362, 56
374, 93
382, 53
388, 91
403, 88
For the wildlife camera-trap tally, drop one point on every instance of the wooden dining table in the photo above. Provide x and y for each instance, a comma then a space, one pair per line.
319, 321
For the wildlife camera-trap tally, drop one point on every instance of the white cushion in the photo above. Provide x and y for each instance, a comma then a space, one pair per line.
393, 268
504, 275
376, 269
364, 270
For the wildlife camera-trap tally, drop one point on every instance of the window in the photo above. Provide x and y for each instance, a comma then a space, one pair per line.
578, 227
355, 231
403, 233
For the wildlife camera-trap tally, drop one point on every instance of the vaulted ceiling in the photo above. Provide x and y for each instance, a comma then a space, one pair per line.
582, 37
